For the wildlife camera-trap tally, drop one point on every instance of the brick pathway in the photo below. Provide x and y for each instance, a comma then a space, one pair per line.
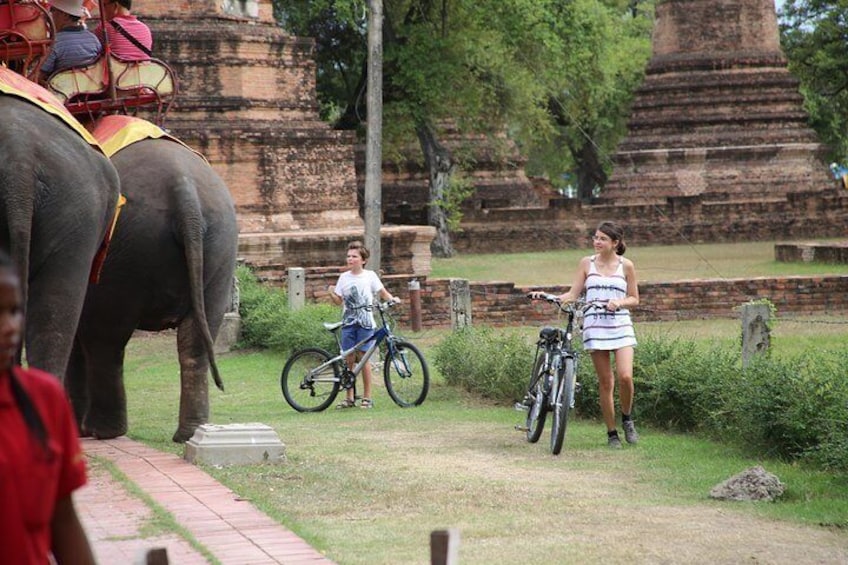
230, 529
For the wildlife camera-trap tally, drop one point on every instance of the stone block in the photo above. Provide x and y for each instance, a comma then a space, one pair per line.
234, 444
228, 334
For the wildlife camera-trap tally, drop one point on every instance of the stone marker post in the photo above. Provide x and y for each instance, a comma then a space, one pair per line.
460, 301
297, 288
756, 336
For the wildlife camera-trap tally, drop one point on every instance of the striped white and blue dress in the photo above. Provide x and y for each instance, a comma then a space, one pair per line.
604, 330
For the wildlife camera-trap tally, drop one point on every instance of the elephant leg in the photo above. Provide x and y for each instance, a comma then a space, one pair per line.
194, 384
102, 350
77, 387
56, 297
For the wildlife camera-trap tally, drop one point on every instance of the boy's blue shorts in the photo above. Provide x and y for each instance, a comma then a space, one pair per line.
351, 335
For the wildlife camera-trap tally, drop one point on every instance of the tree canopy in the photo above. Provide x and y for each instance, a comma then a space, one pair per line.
814, 36
557, 76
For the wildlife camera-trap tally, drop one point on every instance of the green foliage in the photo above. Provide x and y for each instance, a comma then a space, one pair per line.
795, 407
493, 364
813, 38
557, 76
267, 321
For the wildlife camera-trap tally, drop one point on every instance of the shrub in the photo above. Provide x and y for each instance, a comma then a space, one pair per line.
267, 321
683, 387
495, 365
794, 408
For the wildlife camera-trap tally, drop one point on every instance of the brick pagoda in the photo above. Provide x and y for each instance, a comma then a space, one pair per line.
247, 101
718, 114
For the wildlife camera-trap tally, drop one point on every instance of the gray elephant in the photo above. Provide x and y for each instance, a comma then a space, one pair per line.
57, 198
170, 265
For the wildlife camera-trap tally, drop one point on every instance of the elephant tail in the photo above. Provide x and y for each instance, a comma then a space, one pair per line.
193, 234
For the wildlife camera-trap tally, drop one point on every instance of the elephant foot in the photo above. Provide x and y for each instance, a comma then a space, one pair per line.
182, 435
103, 432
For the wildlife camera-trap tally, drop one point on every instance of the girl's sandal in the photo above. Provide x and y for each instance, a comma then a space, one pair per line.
346, 403
366, 403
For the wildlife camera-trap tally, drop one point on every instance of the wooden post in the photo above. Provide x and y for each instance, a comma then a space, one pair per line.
415, 304
460, 300
297, 288
756, 336
152, 556
444, 547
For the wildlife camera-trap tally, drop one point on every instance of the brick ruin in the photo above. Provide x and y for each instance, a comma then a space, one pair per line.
718, 148
718, 113
248, 103
492, 164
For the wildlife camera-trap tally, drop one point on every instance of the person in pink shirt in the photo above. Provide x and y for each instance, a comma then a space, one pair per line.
129, 38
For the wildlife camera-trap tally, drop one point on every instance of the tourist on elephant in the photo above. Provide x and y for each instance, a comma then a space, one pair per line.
356, 288
41, 462
609, 278
129, 38
74, 46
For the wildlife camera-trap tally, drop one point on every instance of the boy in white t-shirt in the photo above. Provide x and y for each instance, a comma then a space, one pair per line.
355, 289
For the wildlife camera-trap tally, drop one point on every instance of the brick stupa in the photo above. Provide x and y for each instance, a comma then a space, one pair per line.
247, 101
718, 115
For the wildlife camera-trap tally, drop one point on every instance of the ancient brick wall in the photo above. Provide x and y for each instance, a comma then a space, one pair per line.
505, 304
692, 219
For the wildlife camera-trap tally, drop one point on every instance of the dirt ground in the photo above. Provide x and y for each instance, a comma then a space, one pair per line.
603, 513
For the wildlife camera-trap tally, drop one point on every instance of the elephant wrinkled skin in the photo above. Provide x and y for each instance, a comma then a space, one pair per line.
170, 265
57, 198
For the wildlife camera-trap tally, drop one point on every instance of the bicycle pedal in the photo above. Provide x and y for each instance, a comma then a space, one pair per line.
521, 428
521, 407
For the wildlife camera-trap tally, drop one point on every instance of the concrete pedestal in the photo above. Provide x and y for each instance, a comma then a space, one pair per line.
234, 444
228, 333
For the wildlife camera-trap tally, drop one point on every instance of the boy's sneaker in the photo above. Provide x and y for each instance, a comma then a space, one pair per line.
613, 442
630, 435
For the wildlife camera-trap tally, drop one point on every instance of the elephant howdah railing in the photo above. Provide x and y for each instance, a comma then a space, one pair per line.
109, 85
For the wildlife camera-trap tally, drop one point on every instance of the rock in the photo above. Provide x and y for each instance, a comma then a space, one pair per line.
752, 484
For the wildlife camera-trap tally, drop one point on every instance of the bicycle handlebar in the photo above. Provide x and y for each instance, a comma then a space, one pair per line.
579, 304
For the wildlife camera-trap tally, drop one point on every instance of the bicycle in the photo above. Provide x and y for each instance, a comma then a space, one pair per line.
312, 377
553, 383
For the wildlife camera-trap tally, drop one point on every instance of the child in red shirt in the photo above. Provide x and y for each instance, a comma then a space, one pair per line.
41, 462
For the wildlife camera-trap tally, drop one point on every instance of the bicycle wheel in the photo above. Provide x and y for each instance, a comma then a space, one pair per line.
538, 410
562, 405
303, 388
406, 374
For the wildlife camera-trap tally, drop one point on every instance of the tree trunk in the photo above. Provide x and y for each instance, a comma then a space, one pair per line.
438, 161
590, 171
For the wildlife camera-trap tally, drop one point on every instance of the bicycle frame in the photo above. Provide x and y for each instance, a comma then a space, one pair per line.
383, 333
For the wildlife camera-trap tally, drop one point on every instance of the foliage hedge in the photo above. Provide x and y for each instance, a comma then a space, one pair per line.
269, 323
795, 408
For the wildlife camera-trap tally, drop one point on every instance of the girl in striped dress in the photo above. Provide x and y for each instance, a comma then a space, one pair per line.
609, 278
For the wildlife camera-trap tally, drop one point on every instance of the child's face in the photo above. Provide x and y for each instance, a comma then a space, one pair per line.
354, 260
11, 317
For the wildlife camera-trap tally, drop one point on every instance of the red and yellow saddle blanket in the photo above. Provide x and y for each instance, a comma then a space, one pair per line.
13, 84
118, 132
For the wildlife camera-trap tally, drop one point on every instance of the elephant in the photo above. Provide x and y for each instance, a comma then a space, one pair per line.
171, 264
58, 195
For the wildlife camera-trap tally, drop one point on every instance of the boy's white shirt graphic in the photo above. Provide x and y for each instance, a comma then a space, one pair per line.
357, 292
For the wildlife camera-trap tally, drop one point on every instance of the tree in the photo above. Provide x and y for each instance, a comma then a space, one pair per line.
557, 76
814, 37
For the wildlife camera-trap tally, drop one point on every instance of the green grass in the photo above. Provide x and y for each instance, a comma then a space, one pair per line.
653, 263
369, 487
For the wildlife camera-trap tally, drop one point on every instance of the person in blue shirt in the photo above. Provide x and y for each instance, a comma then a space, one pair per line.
74, 46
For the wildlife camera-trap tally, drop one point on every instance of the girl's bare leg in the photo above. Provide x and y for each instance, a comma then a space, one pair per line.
606, 383
624, 372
